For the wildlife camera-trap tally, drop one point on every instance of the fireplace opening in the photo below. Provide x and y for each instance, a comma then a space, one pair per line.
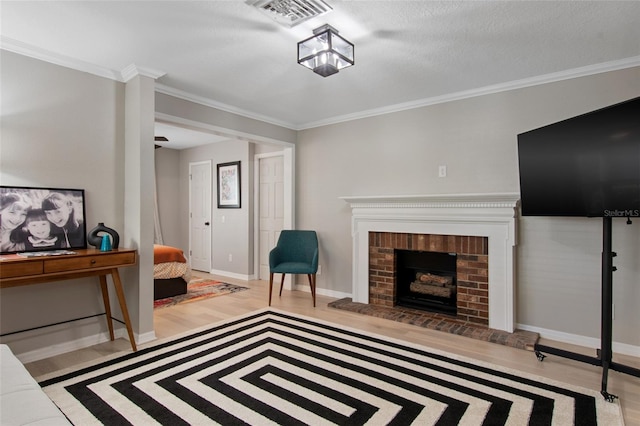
426, 280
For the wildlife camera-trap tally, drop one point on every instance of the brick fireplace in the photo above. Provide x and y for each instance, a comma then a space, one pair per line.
472, 269
480, 227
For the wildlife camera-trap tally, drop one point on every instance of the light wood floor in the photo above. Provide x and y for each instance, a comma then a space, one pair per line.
182, 318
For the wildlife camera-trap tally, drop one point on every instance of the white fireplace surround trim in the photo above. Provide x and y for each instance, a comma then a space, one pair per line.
484, 215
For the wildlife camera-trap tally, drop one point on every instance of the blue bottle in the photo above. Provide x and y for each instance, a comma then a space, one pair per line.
106, 243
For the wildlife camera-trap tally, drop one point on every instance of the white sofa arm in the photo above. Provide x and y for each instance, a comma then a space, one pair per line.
22, 401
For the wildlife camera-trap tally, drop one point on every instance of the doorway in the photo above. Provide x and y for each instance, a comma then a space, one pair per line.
287, 152
270, 207
200, 215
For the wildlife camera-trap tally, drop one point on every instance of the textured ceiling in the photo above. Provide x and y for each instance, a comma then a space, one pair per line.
408, 53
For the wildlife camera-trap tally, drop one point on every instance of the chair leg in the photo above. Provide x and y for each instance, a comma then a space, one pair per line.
312, 284
281, 284
270, 286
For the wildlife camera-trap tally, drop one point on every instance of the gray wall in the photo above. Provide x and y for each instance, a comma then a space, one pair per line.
167, 162
61, 128
558, 280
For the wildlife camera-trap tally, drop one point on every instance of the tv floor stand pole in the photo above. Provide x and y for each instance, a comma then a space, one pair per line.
605, 353
606, 319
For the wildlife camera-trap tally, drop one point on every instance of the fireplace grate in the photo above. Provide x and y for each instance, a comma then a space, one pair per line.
426, 281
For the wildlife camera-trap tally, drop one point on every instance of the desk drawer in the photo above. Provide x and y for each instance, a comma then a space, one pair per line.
89, 262
18, 269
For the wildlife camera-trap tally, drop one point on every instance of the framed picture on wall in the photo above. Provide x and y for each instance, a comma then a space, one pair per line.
229, 185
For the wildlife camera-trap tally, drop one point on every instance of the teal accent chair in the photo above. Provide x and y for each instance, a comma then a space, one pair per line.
295, 253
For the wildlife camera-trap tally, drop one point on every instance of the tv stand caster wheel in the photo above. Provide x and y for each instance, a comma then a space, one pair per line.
540, 356
608, 397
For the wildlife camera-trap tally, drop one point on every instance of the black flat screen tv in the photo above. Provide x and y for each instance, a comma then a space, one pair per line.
41, 220
585, 166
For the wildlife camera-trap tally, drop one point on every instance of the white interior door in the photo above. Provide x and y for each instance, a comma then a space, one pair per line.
271, 206
200, 215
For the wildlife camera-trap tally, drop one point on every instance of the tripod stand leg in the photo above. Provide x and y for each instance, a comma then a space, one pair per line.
605, 377
606, 334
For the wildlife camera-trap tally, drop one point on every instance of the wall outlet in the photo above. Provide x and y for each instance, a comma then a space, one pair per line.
230, 257
442, 171
319, 270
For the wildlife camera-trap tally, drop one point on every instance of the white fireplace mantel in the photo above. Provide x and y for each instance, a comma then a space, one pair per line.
485, 215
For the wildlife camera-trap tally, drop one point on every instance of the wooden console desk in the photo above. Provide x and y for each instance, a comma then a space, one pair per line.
17, 271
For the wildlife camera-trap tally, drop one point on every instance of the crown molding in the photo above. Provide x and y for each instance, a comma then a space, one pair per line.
30, 51
481, 91
123, 76
603, 67
180, 94
133, 70
24, 49
127, 74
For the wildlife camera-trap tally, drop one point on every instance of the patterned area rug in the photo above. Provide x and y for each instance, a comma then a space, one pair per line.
198, 290
271, 367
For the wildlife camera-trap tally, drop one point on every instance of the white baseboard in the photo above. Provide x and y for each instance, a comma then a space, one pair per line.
145, 337
322, 291
231, 275
68, 346
584, 341
81, 343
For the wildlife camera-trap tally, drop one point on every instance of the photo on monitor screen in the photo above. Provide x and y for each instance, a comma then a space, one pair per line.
41, 219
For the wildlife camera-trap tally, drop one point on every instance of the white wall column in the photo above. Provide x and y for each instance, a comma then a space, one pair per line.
139, 196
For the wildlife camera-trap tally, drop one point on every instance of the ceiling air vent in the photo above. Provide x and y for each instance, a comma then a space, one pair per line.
290, 12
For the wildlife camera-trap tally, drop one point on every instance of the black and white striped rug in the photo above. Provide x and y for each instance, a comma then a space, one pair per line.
271, 367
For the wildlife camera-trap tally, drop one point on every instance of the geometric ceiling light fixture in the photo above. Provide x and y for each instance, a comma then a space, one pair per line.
325, 53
